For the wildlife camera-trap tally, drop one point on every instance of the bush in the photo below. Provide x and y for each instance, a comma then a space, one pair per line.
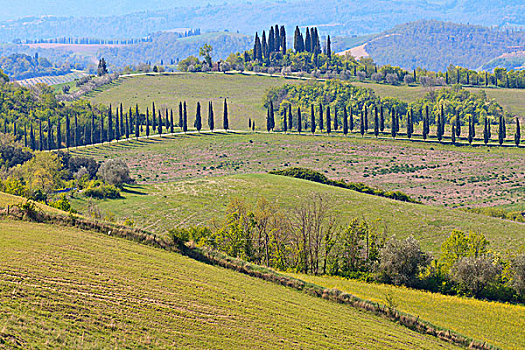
518, 278
102, 192
401, 261
474, 274
114, 172
62, 203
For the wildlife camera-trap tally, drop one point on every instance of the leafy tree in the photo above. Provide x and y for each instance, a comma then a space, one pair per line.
518, 274
474, 274
460, 245
206, 52
102, 67
114, 172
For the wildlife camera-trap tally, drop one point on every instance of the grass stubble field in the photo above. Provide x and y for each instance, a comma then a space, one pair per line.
61, 287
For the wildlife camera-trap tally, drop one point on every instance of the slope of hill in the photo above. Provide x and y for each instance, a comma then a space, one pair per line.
64, 288
20, 66
339, 17
199, 201
435, 45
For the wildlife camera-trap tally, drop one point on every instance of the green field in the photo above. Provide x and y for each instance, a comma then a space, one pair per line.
63, 288
163, 206
435, 174
499, 324
244, 94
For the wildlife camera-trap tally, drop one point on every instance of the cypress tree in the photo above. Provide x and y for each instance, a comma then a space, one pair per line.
410, 124
249, 123
122, 125
290, 117
285, 122
486, 136
458, 124
198, 121
453, 135
153, 118
312, 118
127, 126
336, 122
225, 123
160, 123
366, 118
25, 135
130, 114
381, 119
376, 122
272, 117
40, 136
77, 132
308, 41
473, 128
446, 78
167, 121
257, 49
32, 138
351, 121
517, 135
180, 116
299, 120
283, 40
297, 33
147, 122
345, 121
211, 121
110, 125
49, 135
59, 135
328, 47
271, 41
264, 45
426, 123
328, 120
362, 124
321, 117
470, 126
137, 122
101, 131
393, 127
268, 123
68, 132
185, 118
171, 121
277, 40
501, 133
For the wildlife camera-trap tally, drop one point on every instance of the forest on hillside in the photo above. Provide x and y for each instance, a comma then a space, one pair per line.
435, 45
20, 66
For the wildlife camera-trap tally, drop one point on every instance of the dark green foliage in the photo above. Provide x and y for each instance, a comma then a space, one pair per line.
328, 47
40, 136
225, 123
312, 175
181, 122
102, 192
127, 126
312, 118
486, 134
153, 118
328, 120
147, 122
49, 135
59, 135
211, 119
501, 130
381, 119
270, 121
336, 120
101, 138
111, 134
198, 121
376, 123
290, 117
160, 124
410, 124
345, 121
321, 117
299, 121
517, 135
458, 124
285, 121
470, 130
185, 118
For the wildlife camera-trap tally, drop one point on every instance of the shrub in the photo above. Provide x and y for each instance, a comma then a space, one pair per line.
401, 261
474, 274
518, 278
114, 172
102, 192
62, 203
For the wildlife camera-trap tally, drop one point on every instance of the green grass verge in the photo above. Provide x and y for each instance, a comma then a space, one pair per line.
500, 324
160, 207
64, 288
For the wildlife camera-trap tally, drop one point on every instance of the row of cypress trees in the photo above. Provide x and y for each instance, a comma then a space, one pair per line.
291, 121
116, 126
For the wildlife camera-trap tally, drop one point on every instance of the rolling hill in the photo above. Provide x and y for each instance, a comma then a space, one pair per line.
66, 288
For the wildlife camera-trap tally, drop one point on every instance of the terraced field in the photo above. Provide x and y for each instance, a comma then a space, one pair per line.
63, 288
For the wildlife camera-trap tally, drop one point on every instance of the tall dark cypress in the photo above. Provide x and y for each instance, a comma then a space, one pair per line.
501, 131
25, 135
308, 41
271, 41
453, 134
117, 125
458, 124
285, 121
297, 34
312, 118
59, 134
40, 136
198, 120
137, 122
321, 117
268, 123
336, 119
15, 134
272, 117
211, 119
426, 123
185, 118
486, 136
290, 117
131, 128
264, 45
101, 131
393, 127
470, 127
277, 39
328, 120
328, 47
345, 121
439, 128
153, 118
160, 123
257, 49
225, 122
32, 137
49, 135
77, 132
410, 124
181, 122
283, 40
362, 124
366, 118
299, 120
376, 122
351, 121
111, 135
122, 125
381, 119
171, 121
127, 125
147, 121
517, 135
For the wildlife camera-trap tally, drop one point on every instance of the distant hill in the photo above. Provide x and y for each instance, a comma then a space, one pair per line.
435, 45
20, 66
335, 17
167, 47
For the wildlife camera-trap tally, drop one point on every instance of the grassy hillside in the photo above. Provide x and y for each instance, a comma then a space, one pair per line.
487, 321
8, 199
435, 174
163, 206
244, 94
62, 288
